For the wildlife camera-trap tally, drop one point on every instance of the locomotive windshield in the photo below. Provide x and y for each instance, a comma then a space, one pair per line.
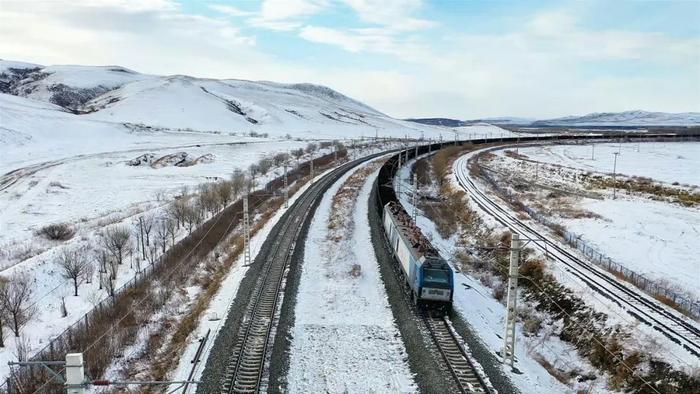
436, 276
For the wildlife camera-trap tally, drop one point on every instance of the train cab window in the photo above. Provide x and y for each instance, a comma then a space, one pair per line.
436, 276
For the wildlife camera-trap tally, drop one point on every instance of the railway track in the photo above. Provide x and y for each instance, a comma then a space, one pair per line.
455, 356
245, 370
669, 323
445, 340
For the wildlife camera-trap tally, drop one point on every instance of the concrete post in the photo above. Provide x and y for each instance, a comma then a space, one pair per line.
75, 374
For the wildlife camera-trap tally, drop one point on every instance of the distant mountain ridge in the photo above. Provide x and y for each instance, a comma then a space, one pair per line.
626, 118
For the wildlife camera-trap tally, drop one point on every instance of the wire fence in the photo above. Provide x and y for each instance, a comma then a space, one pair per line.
652, 287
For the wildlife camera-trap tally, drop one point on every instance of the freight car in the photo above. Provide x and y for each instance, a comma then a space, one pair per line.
426, 274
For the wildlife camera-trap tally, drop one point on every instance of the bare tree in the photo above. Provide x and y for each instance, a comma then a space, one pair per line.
111, 285
116, 241
192, 217
162, 233
224, 193
14, 297
208, 199
238, 182
254, 170
280, 158
147, 223
311, 147
250, 185
73, 267
4, 316
265, 165
177, 210
172, 229
102, 264
298, 153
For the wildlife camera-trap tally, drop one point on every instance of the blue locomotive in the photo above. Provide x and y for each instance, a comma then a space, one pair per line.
426, 273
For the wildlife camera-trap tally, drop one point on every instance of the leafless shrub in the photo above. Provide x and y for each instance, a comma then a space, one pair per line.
57, 232
356, 270
15, 296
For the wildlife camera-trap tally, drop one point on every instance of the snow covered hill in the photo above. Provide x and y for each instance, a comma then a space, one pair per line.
119, 95
627, 118
609, 119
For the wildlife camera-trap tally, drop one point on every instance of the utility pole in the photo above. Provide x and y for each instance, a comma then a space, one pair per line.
512, 298
593, 151
415, 197
537, 170
335, 153
416, 150
614, 171
398, 177
455, 137
246, 232
286, 187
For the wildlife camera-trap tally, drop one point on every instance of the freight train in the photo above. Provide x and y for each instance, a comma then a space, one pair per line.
425, 273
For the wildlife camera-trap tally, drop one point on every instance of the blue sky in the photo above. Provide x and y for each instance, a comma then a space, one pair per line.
407, 58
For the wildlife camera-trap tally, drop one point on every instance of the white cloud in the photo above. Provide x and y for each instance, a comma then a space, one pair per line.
286, 14
366, 40
230, 10
392, 14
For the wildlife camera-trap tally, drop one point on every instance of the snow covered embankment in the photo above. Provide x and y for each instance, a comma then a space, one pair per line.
345, 339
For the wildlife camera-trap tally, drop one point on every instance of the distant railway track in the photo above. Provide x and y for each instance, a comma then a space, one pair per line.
671, 324
455, 356
245, 370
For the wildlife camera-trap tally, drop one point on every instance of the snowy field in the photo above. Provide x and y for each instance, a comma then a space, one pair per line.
100, 185
652, 238
344, 336
663, 161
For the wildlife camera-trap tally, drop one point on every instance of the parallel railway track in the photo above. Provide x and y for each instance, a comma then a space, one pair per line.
455, 356
671, 324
